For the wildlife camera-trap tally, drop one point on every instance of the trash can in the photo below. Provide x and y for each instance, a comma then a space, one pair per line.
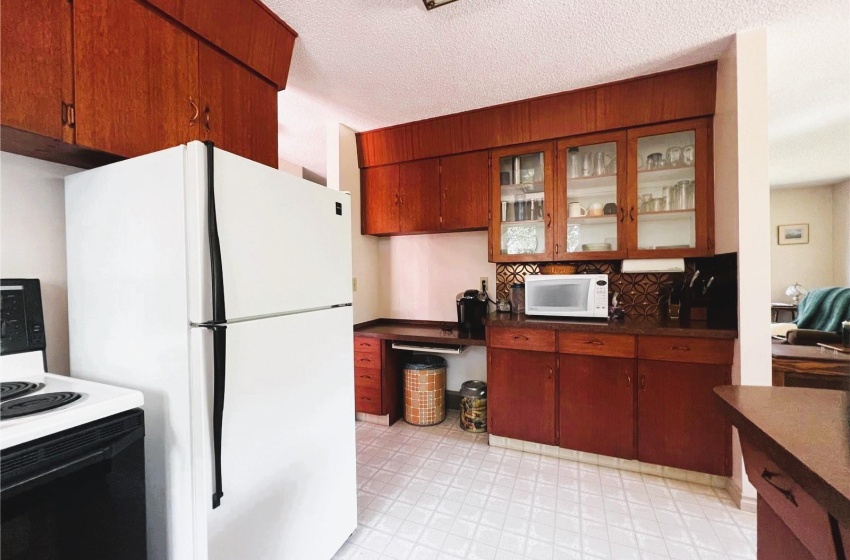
425, 390
473, 406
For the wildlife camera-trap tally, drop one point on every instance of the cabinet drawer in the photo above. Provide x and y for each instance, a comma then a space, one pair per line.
367, 360
797, 509
367, 345
686, 349
590, 344
367, 399
366, 377
523, 339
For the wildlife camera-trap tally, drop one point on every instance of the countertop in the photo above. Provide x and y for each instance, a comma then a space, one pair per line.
804, 431
417, 331
630, 325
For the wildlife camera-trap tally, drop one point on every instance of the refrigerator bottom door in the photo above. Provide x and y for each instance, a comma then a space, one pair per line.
288, 452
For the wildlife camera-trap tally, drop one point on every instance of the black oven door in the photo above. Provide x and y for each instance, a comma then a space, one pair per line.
77, 494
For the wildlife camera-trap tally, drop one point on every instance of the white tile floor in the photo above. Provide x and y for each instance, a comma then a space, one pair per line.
441, 493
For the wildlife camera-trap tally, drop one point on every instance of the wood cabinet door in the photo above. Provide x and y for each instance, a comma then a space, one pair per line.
135, 79
419, 196
597, 405
379, 200
238, 108
522, 395
35, 58
679, 423
465, 186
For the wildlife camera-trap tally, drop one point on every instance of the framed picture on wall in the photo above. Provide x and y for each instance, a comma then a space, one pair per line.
793, 234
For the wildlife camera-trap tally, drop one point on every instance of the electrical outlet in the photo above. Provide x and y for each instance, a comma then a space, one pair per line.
484, 284
354, 284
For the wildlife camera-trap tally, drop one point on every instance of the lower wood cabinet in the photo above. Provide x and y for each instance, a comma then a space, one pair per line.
522, 394
680, 425
378, 380
597, 405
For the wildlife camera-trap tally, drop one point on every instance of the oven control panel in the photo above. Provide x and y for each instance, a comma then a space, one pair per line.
21, 317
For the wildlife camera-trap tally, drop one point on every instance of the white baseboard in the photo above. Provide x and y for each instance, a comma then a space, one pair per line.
744, 503
373, 418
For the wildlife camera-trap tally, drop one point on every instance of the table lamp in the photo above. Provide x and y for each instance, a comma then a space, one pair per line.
795, 291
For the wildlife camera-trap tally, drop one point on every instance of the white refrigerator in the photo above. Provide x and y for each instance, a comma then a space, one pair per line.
221, 289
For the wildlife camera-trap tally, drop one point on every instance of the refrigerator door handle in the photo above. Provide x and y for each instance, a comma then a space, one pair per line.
219, 316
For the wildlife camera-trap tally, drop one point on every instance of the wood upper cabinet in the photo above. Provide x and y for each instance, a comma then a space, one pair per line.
379, 200
522, 395
465, 187
597, 405
679, 423
419, 196
522, 203
35, 62
135, 79
238, 110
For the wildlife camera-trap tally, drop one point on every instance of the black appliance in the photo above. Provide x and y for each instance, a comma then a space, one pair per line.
75, 494
471, 311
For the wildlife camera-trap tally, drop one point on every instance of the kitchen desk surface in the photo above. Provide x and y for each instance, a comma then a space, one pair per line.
804, 431
630, 325
418, 331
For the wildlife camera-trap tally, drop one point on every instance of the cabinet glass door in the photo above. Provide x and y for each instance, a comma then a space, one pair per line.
521, 204
591, 213
666, 203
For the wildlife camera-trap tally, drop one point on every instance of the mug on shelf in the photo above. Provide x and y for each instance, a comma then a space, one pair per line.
576, 210
595, 209
610, 208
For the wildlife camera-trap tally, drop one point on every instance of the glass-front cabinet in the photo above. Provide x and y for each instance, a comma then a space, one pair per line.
522, 204
590, 192
670, 206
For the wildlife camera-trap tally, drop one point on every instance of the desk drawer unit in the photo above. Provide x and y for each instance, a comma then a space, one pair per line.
522, 339
686, 349
593, 344
367, 375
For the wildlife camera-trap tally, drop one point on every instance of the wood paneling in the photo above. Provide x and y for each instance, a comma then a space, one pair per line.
392, 381
678, 94
593, 344
50, 149
775, 541
465, 186
379, 200
686, 349
419, 195
245, 29
679, 423
135, 74
597, 405
238, 109
36, 65
522, 395
522, 339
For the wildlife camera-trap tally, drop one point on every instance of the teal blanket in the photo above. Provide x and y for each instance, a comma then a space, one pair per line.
824, 309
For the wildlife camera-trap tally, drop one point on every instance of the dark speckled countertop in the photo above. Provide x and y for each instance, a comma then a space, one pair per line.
629, 325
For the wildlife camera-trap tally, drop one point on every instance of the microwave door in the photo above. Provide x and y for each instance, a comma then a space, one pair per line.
562, 298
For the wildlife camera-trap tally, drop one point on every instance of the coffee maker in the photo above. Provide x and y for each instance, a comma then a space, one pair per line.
471, 311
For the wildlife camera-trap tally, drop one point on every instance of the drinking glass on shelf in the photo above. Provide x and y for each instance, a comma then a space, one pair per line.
519, 207
587, 164
674, 156
690, 195
654, 161
599, 163
574, 163
688, 155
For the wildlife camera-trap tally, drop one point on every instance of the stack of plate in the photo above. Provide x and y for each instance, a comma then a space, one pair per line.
596, 247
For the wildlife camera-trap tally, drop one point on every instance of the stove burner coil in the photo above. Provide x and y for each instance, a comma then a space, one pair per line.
36, 403
15, 389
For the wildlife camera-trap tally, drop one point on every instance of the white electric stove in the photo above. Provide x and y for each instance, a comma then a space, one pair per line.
37, 404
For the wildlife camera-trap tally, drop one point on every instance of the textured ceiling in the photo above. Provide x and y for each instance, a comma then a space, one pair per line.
373, 63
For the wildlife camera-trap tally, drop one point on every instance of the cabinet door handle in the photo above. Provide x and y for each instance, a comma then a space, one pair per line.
681, 348
632, 214
445, 193
556, 248
548, 219
194, 106
207, 117
622, 214
520, 337
628, 380
643, 383
789, 495
594, 342
396, 199
550, 373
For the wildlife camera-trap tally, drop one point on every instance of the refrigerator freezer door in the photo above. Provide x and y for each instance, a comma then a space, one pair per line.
285, 242
288, 451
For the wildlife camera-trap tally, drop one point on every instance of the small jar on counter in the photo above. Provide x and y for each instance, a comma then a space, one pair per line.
518, 298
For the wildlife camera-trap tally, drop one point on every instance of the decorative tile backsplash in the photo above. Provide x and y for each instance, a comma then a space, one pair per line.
640, 294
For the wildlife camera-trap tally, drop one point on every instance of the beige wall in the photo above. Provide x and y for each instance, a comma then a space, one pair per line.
841, 233
32, 241
810, 264
344, 175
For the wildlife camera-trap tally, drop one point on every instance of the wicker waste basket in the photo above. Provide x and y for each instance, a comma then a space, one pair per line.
473, 406
425, 390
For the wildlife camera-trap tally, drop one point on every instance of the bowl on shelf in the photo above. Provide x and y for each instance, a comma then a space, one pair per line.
596, 247
556, 268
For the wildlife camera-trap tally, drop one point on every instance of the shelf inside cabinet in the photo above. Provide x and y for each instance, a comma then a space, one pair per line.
522, 223
524, 188
671, 175
665, 215
606, 219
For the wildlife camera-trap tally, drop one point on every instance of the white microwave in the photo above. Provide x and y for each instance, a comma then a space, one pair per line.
567, 295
